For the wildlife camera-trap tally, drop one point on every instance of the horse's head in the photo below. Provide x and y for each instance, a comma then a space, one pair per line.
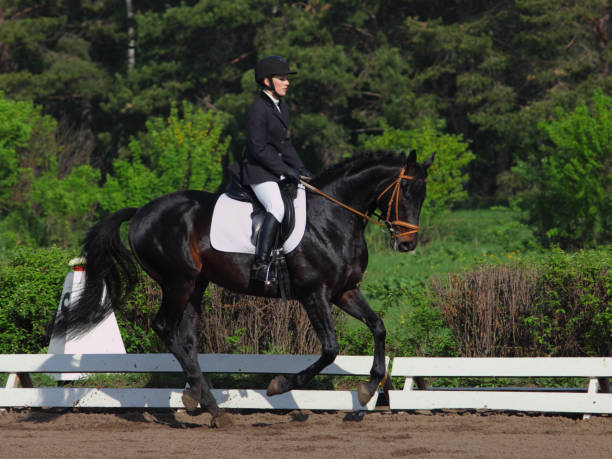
401, 203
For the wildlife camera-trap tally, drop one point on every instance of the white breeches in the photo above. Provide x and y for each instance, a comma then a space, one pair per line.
269, 195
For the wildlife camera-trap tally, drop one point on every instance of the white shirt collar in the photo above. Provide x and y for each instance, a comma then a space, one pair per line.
275, 100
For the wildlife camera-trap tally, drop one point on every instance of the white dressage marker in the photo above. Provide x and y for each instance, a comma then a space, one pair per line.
104, 338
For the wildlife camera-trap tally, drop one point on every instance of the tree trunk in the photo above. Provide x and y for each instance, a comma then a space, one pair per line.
131, 54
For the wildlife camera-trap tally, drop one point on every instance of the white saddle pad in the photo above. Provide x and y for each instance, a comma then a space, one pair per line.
230, 229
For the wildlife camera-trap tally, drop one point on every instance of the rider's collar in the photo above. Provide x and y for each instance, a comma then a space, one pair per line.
274, 99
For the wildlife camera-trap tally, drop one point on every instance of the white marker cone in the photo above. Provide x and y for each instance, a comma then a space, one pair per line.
104, 338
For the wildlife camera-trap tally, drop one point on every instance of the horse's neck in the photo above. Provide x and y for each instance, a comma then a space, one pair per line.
361, 189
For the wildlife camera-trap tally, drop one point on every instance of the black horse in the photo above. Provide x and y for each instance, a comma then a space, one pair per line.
169, 238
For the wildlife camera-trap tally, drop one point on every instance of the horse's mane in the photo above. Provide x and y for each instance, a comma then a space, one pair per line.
354, 163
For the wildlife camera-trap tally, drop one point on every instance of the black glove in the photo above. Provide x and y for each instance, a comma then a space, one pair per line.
292, 175
305, 174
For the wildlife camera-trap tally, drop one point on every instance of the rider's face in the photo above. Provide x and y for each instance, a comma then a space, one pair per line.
281, 84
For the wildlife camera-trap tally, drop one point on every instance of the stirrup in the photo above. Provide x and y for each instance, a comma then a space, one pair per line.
263, 273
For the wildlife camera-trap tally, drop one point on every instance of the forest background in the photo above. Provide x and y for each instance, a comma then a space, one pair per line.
110, 103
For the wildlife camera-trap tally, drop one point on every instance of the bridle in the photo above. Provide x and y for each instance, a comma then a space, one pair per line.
393, 203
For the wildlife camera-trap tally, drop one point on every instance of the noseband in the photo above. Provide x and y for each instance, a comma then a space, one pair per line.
393, 203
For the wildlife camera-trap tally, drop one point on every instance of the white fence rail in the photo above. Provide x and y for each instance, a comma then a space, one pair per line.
596, 399
24, 364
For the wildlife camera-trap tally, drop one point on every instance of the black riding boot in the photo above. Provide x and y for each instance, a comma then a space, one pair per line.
265, 243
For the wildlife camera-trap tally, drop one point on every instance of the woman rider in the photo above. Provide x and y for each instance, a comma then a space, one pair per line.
270, 155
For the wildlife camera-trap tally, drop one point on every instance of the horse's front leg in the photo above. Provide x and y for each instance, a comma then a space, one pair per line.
353, 302
319, 312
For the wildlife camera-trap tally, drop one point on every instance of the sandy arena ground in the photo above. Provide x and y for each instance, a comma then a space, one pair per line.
151, 434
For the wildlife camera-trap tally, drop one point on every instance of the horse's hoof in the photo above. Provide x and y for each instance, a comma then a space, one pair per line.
222, 420
189, 401
277, 386
363, 393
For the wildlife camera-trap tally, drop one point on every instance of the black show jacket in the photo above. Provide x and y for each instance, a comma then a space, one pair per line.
269, 152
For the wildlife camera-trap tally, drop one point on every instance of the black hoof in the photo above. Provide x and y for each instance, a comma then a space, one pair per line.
279, 385
365, 392
190, 401
221, 420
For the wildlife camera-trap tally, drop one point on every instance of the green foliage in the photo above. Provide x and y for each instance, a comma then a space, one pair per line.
39, 206
414, 326
135, 318
568, 183
572, 305
445, 185
66, 205
31, 284
17, 121
182, 152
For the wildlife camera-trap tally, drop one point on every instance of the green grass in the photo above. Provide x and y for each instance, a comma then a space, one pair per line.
451, 242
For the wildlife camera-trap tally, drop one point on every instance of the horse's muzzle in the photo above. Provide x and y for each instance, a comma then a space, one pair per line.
407, 244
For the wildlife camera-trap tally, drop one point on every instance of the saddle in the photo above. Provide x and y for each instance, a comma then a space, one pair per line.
239, 192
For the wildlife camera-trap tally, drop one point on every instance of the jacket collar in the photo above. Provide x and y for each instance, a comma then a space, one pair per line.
283, 115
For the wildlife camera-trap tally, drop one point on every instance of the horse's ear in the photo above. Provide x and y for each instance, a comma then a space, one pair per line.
429, 161
411, 160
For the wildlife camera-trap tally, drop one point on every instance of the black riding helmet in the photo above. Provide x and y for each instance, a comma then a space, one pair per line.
270, 66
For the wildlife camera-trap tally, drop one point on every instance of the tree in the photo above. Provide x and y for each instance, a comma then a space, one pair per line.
184, 151
46, 56
568, 182
38, 205
446, 178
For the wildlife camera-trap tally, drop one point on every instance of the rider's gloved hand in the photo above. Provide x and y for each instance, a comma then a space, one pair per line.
292, 175
305, 174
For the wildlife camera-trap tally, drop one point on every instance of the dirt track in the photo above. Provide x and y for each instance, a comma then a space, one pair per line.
42, 433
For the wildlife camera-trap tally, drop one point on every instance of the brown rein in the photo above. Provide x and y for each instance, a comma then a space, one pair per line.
393, 202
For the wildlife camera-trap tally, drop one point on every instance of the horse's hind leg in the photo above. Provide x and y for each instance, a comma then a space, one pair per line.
177, 324
353, 302
319, 312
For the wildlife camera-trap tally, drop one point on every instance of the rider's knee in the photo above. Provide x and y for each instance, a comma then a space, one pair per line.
277, 211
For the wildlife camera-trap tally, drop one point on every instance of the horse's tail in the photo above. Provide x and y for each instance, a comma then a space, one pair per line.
108, 264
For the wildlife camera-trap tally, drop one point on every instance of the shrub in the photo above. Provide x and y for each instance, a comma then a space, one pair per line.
414, 326
483, 307
559, 306
247, 324
571, 311
231, 323
31, 282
